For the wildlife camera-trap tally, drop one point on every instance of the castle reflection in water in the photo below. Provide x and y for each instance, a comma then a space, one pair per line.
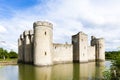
85, 71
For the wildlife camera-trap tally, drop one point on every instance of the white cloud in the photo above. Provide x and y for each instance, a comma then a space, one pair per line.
99, 18
2, 29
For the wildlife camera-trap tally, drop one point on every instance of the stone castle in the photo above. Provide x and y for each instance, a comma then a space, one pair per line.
36, 47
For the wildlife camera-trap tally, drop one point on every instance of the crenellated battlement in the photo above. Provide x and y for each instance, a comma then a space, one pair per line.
31, 32
21, 36
26, 33
42, 23
82, 33
36, 47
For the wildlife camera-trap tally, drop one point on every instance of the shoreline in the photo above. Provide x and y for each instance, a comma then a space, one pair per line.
8, 62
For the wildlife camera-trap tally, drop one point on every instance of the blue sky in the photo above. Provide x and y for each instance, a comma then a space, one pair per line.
100, 18
18, 4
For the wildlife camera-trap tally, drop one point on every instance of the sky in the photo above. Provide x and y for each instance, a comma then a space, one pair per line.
100, 18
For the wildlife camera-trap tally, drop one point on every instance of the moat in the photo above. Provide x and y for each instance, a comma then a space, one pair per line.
85, 71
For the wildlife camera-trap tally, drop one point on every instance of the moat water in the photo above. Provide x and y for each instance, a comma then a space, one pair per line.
86, 71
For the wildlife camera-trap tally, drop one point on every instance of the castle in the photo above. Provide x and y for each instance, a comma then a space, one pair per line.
36, 47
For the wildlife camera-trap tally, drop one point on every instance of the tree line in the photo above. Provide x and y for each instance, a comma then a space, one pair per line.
4, 54
113, 55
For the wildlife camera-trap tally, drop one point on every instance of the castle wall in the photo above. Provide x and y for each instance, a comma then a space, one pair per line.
91, 53
36, 46
43, 45
62, 53
80, 43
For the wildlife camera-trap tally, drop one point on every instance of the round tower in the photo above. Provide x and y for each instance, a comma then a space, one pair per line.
26, 47
43, 37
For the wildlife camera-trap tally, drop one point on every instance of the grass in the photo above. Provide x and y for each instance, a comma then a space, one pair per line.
8, 61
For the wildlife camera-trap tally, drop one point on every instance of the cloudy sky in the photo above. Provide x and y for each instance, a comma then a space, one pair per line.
100, 18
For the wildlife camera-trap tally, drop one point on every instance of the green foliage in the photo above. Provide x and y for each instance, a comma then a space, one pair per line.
114, 72
107, 74
113, 55
4, 54
12, 54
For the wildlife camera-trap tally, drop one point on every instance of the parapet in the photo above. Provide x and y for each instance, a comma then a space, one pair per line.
79, 33
25, 33
31, 32
21, 36
42, 23
82, 33
93, 37
100, 40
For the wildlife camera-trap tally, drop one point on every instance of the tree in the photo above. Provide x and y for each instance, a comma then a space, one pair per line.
13, 54
5, 54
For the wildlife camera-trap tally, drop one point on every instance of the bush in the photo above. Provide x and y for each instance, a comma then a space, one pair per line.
12, 54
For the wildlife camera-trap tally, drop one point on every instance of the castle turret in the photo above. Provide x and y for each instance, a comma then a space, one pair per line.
31, 45
80, 44
27, 48
19, 50
43, 45
99, 44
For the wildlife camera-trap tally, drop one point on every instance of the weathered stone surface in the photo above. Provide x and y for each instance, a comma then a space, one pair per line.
42, 23
43, 45
21, 49
31, 33
99, 48
80, 44
91, 53
26, 47
62, 53
36, 46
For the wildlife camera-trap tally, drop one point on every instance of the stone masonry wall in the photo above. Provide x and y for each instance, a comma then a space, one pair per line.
83, 45
62, 53
91, 53
36, 47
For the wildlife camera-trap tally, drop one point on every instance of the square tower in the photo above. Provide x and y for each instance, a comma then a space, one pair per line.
80, 44
99, 44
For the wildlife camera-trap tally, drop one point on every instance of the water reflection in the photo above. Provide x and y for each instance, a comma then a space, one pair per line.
86, 71
26, 72
99, 70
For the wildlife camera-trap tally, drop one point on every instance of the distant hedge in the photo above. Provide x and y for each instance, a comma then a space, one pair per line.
5, 54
